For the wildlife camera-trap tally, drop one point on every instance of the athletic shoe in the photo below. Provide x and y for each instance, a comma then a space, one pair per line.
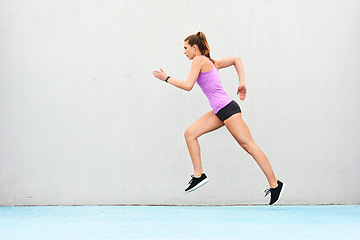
196, 182
275, 192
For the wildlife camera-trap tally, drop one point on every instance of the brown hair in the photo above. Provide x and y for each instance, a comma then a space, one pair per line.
200, 40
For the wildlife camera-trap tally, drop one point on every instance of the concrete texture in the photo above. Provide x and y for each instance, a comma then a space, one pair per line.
84, 122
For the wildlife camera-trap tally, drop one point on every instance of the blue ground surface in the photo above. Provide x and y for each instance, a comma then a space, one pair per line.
163, 222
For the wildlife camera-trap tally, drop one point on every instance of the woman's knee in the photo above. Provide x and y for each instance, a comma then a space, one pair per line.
250, 147
188, 134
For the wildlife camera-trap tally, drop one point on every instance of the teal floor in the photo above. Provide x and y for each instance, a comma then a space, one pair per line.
238, 222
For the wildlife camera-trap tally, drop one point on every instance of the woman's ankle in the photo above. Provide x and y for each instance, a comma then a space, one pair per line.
273, 184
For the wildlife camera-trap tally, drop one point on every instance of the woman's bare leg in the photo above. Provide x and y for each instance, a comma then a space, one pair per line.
239, 130
207, 123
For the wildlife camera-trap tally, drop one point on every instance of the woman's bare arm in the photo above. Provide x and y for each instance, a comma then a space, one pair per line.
191, 79
236, 61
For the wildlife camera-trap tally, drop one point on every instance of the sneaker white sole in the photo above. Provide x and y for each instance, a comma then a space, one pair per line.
202, 183
282, 190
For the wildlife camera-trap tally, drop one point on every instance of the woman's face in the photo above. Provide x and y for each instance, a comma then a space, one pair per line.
189, 51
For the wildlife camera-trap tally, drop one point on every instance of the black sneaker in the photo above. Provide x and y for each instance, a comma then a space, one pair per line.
195, 183
275, 192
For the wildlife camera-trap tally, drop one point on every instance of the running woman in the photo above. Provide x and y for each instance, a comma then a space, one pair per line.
225, 111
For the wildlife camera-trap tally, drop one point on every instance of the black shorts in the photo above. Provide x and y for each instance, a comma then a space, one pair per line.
228, 111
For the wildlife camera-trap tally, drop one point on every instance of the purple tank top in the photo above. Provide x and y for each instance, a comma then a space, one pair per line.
210, 84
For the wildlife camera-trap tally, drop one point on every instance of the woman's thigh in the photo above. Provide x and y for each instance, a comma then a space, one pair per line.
207, 123
239, 130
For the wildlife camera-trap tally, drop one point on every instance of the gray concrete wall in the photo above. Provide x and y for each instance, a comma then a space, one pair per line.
83, 121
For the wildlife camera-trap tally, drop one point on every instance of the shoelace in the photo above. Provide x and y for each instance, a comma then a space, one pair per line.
267, 191
192, 179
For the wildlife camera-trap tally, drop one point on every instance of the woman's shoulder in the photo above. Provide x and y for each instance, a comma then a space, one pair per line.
199, 61
202, 60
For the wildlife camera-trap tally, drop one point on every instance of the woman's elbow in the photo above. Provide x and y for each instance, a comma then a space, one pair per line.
188, 88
